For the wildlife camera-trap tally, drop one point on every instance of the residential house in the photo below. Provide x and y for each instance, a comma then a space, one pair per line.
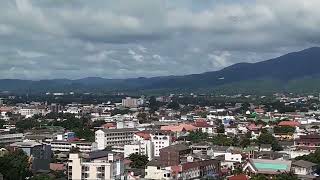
304, 168
308, 142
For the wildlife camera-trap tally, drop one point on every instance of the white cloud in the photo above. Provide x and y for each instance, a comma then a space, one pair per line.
30, 54
99, 56
142, 49
220, 60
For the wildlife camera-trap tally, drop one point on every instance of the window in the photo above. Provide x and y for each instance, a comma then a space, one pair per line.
158, 167
85, 168
164, 175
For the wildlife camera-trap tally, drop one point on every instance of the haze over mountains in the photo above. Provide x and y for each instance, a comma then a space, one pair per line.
297, 71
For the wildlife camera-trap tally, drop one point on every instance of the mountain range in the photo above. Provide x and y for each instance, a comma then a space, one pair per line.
297, 71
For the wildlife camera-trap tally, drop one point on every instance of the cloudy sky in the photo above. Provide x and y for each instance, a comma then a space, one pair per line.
46, 39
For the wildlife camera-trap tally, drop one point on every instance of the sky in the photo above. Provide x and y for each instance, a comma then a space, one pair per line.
48, 39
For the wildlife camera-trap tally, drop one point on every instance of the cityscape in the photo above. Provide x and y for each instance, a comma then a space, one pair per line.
159, 90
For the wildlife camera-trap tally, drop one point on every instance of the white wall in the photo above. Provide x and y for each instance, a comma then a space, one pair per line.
229, 156
100, 140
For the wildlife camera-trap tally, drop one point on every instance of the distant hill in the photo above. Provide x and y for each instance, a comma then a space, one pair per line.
297, 71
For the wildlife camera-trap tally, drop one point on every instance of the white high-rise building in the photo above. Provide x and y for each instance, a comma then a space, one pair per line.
160, 139
141, 144
148, 143
97, 165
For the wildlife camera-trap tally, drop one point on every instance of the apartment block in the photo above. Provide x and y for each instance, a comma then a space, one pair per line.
111, 137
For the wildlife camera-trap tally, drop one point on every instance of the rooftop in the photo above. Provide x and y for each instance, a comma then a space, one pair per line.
267, 165
25, 144
120, 130
177, 147
305, 164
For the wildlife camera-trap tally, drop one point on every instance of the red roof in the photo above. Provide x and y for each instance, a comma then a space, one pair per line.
178, 128
259, 110
109, 125
144, 135
190, 165
253, 127
202, 123
57, 167
238, 177
289, 123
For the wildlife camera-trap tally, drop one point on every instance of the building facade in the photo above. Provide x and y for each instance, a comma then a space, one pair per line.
11, 138
103, 167
65, 146
111, 137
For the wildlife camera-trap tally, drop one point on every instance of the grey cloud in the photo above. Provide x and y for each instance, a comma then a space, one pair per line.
125, 38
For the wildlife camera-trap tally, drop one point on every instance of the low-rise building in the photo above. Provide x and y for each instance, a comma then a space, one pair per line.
11, 138
66, 146
40, 154
308, 142
188, 170
266, 166
304, 168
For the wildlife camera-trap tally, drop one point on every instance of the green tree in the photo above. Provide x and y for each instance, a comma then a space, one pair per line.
312, 157
245, 141
174, 105
98, 123
153, 104
286, 176
59, 174
284, 129
85, 133
2, 122
267, 138
42, 177
258, 177
222, 140
27, 124
197, 136
142, 117
14, 165
108, 148
120, 111
138, 161
220, 129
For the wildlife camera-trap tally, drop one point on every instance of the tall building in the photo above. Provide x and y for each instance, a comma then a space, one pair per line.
111, 137
55, 108
160, 139
148, 143
130, 102
96, 165
141, 144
